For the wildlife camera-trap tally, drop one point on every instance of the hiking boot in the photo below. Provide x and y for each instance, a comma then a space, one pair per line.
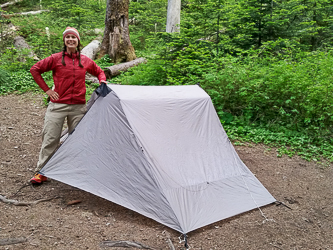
38, 179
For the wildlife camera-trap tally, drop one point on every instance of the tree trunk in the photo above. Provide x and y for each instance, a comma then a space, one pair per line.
116, 41
173, 16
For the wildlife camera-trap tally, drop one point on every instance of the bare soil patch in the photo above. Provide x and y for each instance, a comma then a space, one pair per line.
306, 187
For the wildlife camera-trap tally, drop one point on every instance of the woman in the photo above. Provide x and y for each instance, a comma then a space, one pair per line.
67, 100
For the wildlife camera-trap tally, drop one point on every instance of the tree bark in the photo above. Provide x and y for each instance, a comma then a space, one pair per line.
173, 16
117, 69
116, 41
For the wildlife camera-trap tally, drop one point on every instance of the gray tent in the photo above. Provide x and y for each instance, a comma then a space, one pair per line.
162, 152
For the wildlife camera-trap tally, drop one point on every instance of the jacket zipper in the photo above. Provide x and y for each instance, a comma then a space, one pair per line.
74, 79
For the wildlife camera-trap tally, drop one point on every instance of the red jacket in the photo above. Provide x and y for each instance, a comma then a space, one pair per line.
69, 80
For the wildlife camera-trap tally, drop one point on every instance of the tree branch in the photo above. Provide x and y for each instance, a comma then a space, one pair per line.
12, 241
167, 234
23, 203
24, 13
10, 3
124, 243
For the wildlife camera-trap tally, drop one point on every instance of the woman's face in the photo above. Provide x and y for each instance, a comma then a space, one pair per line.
71, 41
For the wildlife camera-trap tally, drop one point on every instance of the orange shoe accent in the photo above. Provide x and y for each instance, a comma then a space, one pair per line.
38, 179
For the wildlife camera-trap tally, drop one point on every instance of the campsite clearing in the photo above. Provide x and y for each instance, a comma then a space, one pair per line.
305, 187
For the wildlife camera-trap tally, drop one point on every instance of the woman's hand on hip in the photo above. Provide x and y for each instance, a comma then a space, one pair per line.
52, 94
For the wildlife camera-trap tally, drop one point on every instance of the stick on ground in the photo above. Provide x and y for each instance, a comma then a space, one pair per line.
25, 185
168, 240
12, 241
124, 243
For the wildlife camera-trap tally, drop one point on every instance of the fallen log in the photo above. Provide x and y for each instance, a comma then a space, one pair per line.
23, 203
124, 243
91, 49
117, 69
24, 13
10, 3
12, 241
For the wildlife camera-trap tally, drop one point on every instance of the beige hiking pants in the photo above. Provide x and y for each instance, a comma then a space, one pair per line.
53, 124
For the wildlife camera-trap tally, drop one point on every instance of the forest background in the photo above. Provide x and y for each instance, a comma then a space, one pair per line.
267, 65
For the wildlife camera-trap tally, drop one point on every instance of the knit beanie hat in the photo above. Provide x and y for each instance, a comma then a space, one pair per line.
70, 30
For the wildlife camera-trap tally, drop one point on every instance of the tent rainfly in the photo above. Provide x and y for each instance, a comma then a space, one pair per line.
162, 152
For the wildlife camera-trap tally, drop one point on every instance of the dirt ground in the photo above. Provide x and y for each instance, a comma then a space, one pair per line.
305, 187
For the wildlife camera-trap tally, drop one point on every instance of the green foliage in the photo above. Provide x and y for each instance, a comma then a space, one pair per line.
4, 79
83, 15
86, 16
287, 142
291, 93
19, 82
244, 24
105, 61
151, 73
23, 6
146, 18
15, 59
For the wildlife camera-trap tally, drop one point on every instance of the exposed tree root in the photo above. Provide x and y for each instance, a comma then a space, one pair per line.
23, 203
26, 185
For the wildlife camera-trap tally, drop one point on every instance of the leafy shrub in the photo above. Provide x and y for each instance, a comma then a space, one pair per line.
287, 142
16, 59
151, 73
291, 89
103, 62
4, 80
147, 18
19, 82
290, 93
